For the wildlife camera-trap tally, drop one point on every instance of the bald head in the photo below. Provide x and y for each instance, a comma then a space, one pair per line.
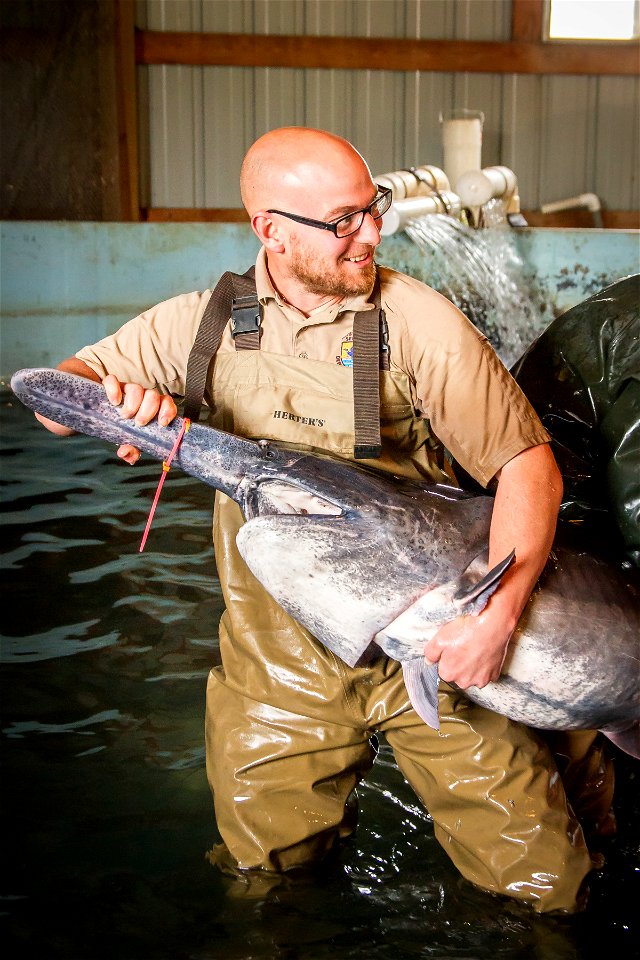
293, 175
287, 168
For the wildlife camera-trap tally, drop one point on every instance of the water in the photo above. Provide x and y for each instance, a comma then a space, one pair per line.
483, 274
107, 816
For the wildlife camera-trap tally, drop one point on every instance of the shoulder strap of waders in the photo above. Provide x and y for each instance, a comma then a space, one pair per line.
370, 355
234, 296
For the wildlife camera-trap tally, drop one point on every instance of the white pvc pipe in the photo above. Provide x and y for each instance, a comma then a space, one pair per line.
589, 200
402, 211
416, 181
477, 187
462, 146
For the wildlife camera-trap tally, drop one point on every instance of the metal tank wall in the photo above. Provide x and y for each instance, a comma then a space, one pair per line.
556, 132
65, 284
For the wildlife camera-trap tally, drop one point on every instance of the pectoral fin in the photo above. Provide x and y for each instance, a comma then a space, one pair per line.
475, 598
421, 681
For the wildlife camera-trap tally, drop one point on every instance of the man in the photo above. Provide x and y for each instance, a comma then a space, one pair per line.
288, 725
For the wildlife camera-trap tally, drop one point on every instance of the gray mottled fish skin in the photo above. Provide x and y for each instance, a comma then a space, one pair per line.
365, 561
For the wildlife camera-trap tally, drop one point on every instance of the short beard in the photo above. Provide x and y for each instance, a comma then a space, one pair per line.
319, 279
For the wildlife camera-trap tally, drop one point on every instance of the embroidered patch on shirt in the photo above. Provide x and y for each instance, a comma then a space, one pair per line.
346, 351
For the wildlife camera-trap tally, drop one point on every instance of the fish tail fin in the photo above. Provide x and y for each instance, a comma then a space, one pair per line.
627, 740
421, 681
475, 598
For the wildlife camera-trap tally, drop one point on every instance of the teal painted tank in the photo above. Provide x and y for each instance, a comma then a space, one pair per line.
65, 284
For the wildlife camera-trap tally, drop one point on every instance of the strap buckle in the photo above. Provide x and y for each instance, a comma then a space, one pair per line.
245, 316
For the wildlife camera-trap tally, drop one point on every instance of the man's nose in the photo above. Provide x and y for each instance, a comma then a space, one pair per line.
369, 231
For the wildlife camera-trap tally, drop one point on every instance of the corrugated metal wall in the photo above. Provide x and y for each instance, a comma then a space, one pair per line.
562, 135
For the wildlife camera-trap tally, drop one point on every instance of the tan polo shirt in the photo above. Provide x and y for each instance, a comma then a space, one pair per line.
454, 377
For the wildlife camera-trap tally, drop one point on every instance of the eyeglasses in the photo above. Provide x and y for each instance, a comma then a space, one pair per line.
351, 223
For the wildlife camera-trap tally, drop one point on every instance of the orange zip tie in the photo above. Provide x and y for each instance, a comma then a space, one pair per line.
166, 466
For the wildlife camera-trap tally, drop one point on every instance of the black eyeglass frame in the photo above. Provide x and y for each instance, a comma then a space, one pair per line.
383, 194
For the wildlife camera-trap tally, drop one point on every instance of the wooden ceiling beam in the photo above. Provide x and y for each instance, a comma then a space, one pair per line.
373, 53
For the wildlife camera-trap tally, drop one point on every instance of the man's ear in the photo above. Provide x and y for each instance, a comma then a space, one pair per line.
267, 231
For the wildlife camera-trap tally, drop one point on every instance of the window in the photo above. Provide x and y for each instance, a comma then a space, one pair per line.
592, 19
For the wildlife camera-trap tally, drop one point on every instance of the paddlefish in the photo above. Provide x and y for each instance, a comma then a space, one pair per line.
372, 564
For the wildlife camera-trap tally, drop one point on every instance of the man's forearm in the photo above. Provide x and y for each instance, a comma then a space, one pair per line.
524, 516
470, 650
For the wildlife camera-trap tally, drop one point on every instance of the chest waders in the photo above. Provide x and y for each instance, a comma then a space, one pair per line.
288, 725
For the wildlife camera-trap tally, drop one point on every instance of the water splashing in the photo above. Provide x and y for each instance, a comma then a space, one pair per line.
482, 273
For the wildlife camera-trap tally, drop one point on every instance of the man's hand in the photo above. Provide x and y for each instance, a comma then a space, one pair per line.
470, 650
139, 404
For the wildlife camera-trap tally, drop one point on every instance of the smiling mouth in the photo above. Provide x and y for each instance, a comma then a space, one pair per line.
359, 259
